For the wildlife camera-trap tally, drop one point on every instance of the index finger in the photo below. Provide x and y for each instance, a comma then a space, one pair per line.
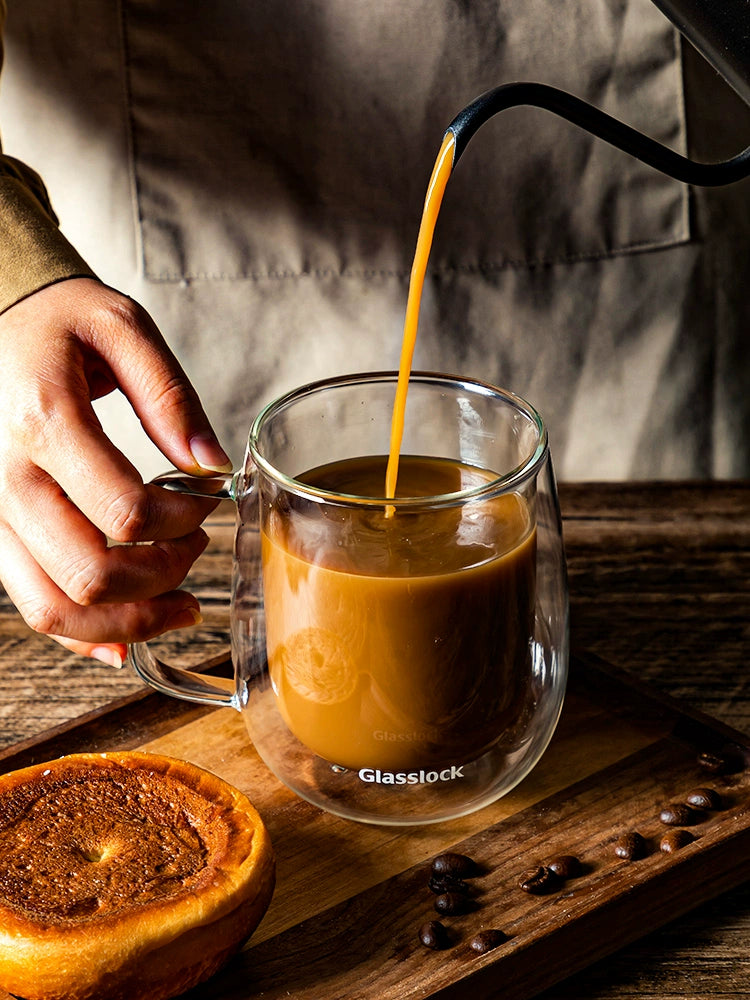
157, 388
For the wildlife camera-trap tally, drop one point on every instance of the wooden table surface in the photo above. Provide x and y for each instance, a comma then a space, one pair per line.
659, 585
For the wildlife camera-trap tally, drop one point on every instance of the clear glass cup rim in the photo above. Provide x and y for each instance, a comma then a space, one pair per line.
509, 481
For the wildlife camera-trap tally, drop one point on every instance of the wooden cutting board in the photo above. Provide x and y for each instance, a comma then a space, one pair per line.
351, 898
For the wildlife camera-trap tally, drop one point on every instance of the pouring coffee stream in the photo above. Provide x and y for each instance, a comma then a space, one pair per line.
455, 140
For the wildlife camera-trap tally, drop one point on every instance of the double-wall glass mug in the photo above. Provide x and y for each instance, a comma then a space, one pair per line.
397, 660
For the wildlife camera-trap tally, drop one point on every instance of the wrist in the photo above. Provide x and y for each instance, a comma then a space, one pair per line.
33, 251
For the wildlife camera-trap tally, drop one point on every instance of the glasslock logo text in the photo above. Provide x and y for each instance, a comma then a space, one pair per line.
374, 776
383, 736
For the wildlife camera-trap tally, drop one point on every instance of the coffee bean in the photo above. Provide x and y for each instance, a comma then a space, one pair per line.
714, 763
455, 865
448, 883
453, 903
673, 840
704, 798
678, 814
434, 935
539, 881
565, 865
485, 941
630, 846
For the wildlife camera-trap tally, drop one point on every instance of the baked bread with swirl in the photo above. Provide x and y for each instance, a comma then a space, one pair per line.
125, 875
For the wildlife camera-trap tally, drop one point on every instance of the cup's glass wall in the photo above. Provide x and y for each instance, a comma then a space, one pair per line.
436, 755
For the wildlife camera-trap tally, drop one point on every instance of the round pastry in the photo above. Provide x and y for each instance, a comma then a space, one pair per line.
125, 876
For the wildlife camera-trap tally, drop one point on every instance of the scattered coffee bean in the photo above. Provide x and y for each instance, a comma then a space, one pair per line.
539, 881
434, 935
485, 941
714, 763
453, 903
678, 814
565, 866
673, 840
630, 846
704, 798
455, 865
448, 883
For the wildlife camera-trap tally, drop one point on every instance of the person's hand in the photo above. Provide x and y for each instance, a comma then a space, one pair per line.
66, 493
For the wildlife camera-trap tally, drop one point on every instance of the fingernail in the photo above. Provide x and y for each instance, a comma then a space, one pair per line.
107, 654
209, 454
183, 619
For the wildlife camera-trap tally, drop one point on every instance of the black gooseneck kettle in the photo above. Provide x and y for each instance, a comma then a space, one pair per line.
719, 29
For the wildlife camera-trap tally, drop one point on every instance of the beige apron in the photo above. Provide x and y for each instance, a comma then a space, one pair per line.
253, 173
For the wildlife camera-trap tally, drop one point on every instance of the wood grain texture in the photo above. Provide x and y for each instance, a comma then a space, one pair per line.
660, 585
351, 898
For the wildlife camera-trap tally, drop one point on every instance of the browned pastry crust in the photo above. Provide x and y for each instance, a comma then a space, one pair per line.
125, 876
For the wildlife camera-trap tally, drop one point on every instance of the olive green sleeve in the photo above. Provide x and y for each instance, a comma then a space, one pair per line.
33, 251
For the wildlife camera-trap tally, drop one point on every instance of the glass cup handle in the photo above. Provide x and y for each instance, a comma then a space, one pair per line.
181, 683
222, 486
166, 678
